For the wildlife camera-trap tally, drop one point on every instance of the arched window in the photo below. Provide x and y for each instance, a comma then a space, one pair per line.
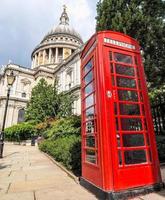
21, 115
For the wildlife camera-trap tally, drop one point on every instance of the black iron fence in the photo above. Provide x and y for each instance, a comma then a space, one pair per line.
158, 114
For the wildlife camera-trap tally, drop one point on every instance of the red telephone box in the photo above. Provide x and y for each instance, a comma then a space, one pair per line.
119, 155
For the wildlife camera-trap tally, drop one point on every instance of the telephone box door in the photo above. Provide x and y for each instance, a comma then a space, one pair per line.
133, 157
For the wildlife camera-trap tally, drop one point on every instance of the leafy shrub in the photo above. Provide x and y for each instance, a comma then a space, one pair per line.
66, 150
64, 126
157, 95
19, 132
42, 127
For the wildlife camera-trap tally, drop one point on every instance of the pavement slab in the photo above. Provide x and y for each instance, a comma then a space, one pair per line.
4, 187
155, 196
53, 194
27, 174
18, 196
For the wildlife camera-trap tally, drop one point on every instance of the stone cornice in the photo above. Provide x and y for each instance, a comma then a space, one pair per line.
15, 99
32, 72
19, 69
73, 89
62, 34
54, 44
43, 69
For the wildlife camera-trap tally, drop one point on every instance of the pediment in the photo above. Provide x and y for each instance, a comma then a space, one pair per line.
25, 81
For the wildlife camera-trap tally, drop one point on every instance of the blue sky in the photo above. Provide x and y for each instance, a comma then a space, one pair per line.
23, 24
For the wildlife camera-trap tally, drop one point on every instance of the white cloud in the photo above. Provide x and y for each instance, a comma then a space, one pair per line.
23, 24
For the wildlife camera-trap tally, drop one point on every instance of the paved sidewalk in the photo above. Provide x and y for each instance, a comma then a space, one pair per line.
27, 174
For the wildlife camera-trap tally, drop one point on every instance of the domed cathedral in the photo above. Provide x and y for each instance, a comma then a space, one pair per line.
57, 45
57, 56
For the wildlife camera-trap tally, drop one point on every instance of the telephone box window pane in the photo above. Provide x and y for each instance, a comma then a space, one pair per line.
130, 124
89, 77
90, 127
126, 82
120, 157
88, 66
90, 113
135, 157
91, 156
89, 89
129, 109
133, 140
128, 95
124, 70
90, 141
89, 101
123, 58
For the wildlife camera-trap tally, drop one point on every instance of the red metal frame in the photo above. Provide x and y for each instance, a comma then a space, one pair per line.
114, 92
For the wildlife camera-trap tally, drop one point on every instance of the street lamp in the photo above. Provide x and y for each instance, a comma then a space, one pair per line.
10, 81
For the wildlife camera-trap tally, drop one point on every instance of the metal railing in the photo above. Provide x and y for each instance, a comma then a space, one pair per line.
158, 114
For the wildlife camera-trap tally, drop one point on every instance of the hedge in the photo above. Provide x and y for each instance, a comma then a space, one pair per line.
19, 132
64, 127
63, 141
66, 150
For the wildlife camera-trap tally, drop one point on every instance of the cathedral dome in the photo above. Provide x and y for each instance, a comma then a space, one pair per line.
64, 28
59, 43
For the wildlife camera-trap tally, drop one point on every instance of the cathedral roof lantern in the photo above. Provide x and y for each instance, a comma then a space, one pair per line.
64, 19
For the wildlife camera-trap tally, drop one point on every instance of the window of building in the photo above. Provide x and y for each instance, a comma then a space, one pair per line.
21, 115
24, 94
69, 79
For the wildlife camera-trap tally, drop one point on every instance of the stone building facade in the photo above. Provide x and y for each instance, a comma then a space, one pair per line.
58, 55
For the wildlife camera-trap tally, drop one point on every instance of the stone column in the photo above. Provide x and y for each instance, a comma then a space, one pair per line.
38, 59
32, 62
35, 61
62, 53
56, 56
44, 54
50, 55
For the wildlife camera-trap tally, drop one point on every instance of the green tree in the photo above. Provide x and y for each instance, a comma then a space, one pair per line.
66, 104
144, 21
42, 103
45, 103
